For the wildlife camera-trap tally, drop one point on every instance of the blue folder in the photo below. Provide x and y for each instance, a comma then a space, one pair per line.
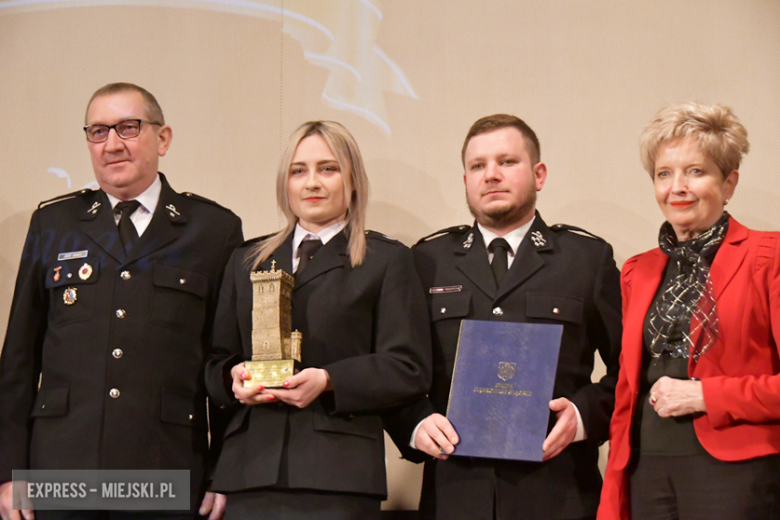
501, 388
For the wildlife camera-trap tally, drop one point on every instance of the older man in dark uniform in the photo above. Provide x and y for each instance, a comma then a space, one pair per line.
510, 266
112, 313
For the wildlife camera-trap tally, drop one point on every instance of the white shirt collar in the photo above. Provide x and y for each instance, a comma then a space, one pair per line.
148, 198
514, 237
324, 235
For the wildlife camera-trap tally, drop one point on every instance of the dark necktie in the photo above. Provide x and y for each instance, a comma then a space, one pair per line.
306, 251
499, 247
127, 231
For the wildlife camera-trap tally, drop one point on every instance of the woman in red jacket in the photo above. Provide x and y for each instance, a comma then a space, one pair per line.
696, 428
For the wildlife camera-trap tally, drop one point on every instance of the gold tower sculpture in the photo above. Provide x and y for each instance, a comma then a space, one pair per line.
275, 348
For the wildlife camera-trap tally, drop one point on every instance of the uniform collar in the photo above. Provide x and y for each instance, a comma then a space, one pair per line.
331, 256
514, 237
167, 224
473, 261
148, 199
538, 234
324, 235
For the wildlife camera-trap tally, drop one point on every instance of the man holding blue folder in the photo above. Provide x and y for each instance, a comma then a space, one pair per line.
510, 266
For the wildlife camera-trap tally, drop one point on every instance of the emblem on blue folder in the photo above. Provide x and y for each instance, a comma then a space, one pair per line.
506, 370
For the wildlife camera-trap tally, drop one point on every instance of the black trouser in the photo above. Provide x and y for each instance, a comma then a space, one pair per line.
700, 487
291, 504
113, 515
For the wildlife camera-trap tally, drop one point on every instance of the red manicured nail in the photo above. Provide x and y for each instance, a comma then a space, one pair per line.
243, 375
271, 398
286, 384
260, 388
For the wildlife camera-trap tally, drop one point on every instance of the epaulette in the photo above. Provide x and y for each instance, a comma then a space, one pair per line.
194, 196
576, 230
64, 197
377, 234
442, 232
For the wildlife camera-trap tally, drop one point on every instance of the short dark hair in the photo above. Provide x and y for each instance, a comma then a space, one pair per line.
497, 122
153, 110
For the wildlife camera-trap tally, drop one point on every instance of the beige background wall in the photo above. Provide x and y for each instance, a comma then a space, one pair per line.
407, 77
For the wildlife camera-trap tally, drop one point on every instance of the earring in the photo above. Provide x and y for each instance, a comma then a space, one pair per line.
726, 202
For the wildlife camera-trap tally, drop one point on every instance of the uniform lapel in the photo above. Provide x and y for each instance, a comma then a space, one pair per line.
647, 276
528, 259
729, 257
168, 223
282, 256
99, 224
330, 256
474, 261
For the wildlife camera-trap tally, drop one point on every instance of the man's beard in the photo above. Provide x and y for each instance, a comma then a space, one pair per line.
504, 216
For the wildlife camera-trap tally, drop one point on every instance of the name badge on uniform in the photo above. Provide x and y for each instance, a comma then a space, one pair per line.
445, 289
72, 254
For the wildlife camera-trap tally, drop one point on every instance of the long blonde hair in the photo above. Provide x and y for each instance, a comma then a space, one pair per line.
347, 153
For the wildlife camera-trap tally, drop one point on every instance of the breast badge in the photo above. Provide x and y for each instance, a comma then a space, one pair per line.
56, 276
173, 213
469, 240
538, 239
69, 296
85, 272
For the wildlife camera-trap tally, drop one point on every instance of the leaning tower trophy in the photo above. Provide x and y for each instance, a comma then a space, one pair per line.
276, 351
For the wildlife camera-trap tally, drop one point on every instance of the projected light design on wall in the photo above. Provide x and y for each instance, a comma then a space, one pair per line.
338, 35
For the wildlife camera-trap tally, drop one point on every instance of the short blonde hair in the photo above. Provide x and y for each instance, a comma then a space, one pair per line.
715, 127
347, 153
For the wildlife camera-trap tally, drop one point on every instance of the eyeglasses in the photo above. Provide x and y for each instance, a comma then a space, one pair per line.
125, 129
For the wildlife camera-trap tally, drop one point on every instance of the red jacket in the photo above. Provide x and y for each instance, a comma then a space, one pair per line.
740, 374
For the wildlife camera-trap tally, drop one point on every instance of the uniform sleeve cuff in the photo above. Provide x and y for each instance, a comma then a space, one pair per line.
414, 434
580, 435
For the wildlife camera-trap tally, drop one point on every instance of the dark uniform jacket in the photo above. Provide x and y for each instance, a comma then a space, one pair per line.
558, 276
120, 367
367, 326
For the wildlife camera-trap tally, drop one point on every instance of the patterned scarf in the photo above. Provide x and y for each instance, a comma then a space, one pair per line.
687, 295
